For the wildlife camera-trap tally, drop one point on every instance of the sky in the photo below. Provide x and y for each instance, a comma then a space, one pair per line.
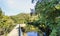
14, 7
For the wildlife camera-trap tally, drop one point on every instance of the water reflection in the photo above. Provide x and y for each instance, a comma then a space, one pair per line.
32, 34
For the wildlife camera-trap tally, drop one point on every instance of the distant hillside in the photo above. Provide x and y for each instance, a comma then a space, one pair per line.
23, 18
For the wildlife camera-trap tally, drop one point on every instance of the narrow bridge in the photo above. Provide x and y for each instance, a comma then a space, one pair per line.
17, 30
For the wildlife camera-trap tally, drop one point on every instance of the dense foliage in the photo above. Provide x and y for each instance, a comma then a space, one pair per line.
49, 11
6, 23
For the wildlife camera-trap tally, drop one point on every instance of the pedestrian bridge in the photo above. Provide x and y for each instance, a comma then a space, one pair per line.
17, 31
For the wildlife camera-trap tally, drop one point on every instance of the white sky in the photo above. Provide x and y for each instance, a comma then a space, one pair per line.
13, 7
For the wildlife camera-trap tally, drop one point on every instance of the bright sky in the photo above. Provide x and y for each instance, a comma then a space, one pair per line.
13, 7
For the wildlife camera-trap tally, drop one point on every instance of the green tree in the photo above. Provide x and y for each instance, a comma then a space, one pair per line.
6, 23
49, 10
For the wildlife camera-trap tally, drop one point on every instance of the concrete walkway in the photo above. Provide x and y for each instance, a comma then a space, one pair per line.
14, 32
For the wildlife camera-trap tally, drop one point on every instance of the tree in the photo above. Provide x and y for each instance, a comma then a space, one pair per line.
6, 23
49, 10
